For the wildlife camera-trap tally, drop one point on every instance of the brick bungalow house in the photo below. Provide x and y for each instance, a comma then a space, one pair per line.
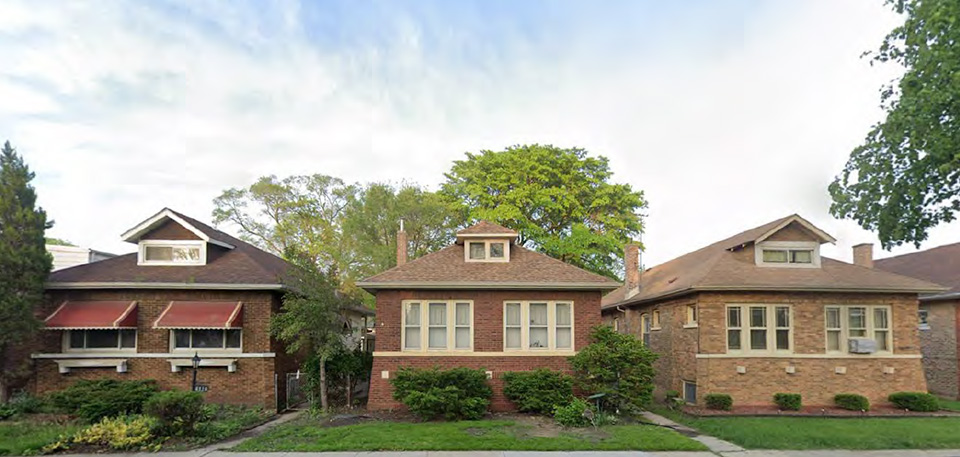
763, 312
483, 302
189, 289
939, 316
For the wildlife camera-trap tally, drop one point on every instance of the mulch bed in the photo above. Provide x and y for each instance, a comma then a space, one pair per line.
813, 411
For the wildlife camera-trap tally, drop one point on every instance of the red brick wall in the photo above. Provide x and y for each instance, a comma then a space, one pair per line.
252, 383
488, 336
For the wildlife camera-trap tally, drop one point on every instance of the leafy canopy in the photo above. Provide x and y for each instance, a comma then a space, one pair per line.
905, 178
24, 261
559, 200
617, 365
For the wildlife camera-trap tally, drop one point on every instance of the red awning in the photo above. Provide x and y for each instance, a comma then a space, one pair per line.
77, 315
200, 315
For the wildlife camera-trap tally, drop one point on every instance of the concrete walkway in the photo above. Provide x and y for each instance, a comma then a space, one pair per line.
715, 445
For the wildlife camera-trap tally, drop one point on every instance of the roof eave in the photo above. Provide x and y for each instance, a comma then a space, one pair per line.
824, 236
936, 297
162, 285
134, 234
491, 285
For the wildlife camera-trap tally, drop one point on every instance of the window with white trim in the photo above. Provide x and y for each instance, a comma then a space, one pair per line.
538, 325
788, 254
645, 329
759, 328
206, 339
655, 324
487, 251
845, 322
100, 340
691, 316
437, 325
155, 252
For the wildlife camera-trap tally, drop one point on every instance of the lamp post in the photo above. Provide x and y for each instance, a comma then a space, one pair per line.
196, 364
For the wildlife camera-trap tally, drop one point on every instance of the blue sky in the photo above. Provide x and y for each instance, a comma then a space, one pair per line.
727, 114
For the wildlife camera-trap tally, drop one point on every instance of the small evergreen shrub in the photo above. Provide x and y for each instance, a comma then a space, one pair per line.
852, 402
177, 412
722, 402
789, 402
669, 395
915, 401
573, 413
94, 400
119, 433
617, 365
7, 411
458, 393
538, 391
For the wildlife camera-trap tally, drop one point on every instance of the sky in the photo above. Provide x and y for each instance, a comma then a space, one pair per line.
726, 114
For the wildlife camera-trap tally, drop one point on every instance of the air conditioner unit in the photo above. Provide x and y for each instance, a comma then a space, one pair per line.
862, 345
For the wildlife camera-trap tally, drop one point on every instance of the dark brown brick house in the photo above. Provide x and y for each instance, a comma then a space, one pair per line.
189, 289
763, 312
483, 302
939, 318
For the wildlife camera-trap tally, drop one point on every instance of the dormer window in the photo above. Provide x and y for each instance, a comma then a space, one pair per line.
487, 251
798, 254
157, 252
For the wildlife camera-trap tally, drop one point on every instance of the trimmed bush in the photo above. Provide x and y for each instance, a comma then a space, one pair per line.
669, 395
617, 365
722, 402
538, 391
852, 402
573, 413
789, 402
94, 400
177, 411
118, 433
915, 401
458, 393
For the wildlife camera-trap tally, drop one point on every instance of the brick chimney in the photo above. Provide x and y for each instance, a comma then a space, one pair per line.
631, 263
863, 255
401, 245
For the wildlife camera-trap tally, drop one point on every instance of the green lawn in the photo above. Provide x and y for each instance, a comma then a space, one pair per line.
950, 405
829, 433
17, 438
309, 435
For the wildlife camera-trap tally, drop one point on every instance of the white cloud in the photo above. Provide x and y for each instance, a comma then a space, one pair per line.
123, 108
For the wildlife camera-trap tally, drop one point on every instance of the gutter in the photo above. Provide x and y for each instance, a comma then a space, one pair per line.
487, 285
948, 296
161, 285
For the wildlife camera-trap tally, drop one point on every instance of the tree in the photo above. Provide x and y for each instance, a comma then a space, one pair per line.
310, 321
59, 242
905, 178
24, 261
560, 201
617, 365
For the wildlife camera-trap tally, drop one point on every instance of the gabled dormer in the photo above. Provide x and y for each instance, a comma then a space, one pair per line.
794, 243
486, 242
170, 239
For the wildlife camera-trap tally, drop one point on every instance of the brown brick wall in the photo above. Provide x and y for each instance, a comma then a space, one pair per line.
252, 383
488, 336
170, 230
939, 347
792, 232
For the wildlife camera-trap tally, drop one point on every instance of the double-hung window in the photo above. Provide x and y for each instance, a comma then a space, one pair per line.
194, 339
845, 322
101, 340
437, 325
759, 328
537, 325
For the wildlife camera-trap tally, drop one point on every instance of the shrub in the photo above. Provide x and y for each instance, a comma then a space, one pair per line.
915, 401
538, 391
669, 395
853, 402
94, 400
177, 412
573, 414
25, 403
7, 411
617, 365
790, 402
458, 393
118, 433
719, 401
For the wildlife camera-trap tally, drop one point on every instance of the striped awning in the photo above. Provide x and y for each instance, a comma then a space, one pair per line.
93, 315
201, 315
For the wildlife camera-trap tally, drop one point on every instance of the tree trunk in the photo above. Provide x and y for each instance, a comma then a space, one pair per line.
324, 405
349, 392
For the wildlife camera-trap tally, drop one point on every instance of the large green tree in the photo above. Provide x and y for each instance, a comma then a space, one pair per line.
24, 261
559, 200
905, 178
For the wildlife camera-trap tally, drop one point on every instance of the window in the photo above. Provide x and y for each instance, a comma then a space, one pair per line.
767, 329
538, 325
172, 253
691, 316
923, 317
487, 251
689, 392
210, 339
437, 325
655, 325
788, 255
79, 340
616, 324
645, 329
845, 322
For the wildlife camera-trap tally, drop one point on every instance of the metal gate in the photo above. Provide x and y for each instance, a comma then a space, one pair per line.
295, 394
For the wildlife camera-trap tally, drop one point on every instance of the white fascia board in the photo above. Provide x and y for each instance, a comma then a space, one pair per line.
135, 233
162, 285
488, 285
